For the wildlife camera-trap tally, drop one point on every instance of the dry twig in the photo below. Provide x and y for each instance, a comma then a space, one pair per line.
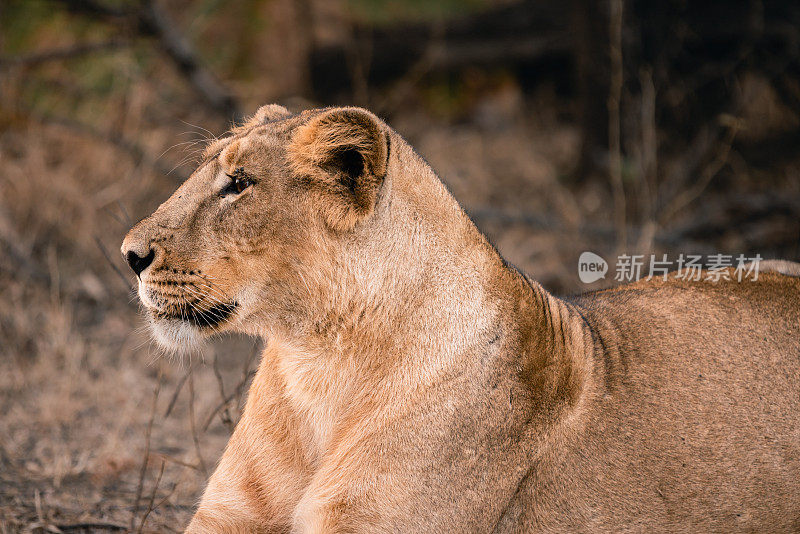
225, 411
246, 374
178, 388
172, 459
239, 389
125, 282
57, 54
195, 435
614, 98
92, 525
152, 498
689, 195
146, 458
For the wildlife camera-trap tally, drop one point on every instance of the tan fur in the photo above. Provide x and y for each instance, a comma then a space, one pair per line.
413, 382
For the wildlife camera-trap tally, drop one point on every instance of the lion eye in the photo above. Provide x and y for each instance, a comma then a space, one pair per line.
240, 181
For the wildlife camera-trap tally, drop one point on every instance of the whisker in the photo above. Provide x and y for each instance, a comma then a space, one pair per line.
206, 309
215, 291
216, 294
210, 133
208, 279
201, 296
192, 142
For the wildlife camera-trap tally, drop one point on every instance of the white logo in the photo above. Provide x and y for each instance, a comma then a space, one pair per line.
591, 267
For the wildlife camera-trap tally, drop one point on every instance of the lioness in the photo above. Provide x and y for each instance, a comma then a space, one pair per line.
413, 381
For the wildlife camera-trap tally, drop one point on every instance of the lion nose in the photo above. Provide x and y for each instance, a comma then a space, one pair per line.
139, 263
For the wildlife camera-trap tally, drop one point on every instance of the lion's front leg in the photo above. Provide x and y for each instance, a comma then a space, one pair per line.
262, 474
227, 507
350, 493
249, 492
330, 517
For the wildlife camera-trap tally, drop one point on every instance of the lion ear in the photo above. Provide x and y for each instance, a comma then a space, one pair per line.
270, 112
342, 155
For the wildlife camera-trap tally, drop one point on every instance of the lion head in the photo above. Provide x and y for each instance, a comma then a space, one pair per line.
279, 211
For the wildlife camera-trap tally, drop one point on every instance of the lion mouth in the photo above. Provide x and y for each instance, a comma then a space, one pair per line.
201, 317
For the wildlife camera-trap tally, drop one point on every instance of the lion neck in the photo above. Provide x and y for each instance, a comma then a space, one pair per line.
423, 294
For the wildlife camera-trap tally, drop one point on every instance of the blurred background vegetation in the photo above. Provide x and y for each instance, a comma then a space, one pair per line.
634, 126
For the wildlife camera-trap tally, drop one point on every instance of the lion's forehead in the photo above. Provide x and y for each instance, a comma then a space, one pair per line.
279, 130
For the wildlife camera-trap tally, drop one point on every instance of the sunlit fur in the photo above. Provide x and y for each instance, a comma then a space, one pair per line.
413, 381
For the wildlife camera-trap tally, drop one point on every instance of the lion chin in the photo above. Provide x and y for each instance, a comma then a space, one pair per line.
175, 336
